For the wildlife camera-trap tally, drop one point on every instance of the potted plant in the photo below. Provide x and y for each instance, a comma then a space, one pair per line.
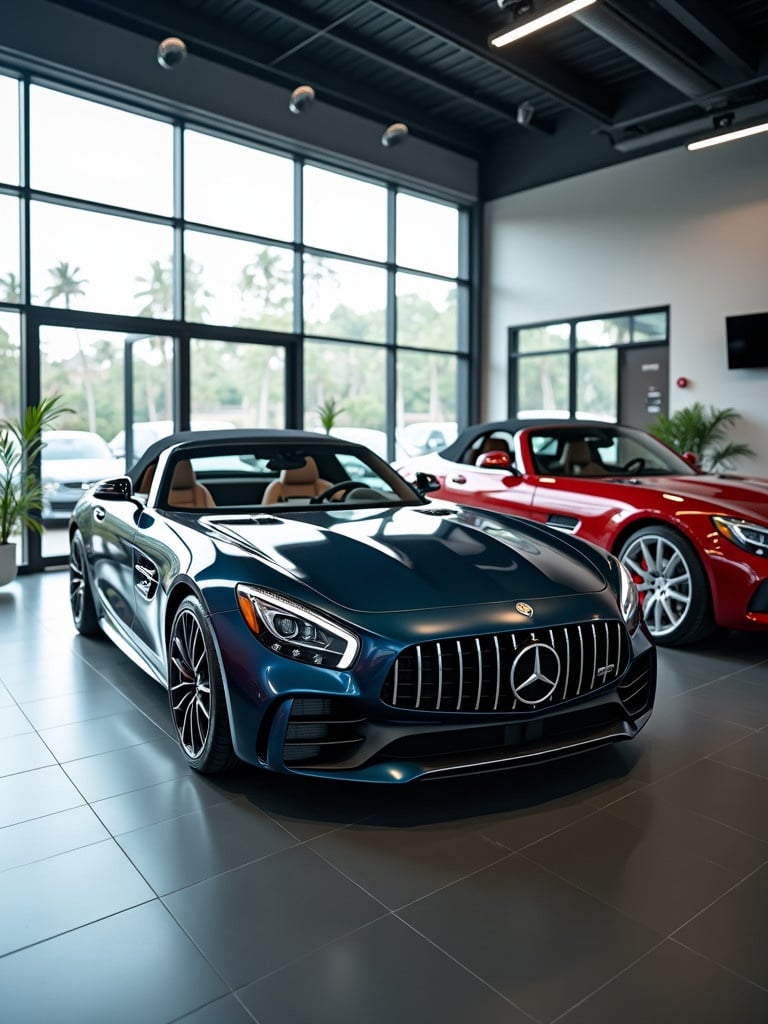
21, 495
328, 412
701, 430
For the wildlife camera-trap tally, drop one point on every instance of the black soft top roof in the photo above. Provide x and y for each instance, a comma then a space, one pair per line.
224, 439
456, 449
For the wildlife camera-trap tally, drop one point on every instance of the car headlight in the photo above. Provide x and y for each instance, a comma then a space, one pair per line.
748, 536
295, 631
50, 486
629, 600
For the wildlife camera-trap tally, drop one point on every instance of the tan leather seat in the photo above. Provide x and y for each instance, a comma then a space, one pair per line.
185, 491
577, 460
293, 484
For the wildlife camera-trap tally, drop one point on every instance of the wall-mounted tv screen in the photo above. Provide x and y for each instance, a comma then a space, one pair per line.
747, 338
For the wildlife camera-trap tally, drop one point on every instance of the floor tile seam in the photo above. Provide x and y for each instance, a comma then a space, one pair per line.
77, 928
98, 753
737, 768
711, 682
159, 821
556, 831
718, 963
464, 967
718, 899
58, 853
609, 981
662, 934
726, 826
211, 1002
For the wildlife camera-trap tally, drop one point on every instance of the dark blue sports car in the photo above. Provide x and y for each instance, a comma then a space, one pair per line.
310, 611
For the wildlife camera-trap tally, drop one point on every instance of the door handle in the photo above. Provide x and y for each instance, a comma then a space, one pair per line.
460, 479
99, 513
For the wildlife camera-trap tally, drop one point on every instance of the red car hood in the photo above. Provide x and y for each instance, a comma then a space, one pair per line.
742, 496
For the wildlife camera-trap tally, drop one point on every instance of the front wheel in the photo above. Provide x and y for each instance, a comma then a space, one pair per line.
81, 601
673, 587
196, 691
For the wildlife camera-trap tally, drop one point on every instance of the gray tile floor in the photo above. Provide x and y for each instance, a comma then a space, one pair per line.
630, 884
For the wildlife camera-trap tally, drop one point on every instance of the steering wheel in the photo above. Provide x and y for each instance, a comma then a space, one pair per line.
342, 485
636, 464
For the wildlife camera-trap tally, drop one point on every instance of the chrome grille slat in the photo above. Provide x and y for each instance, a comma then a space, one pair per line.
436, 676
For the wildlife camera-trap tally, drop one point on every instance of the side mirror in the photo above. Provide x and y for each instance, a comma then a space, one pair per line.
495, 460
119, 489
425, 483
692, 459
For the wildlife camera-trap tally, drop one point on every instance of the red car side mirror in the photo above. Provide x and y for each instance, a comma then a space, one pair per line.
494, 460
692, 459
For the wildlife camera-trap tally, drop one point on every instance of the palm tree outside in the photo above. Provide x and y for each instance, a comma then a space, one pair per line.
67, 285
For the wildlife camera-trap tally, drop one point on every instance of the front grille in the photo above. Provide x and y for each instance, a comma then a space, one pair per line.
321, 729
474, 674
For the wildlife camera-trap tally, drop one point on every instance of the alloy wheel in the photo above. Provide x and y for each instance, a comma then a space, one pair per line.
190, 684
663, 579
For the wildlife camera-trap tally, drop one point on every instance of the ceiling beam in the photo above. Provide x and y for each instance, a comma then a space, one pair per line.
158, 19
717, 32
468, 34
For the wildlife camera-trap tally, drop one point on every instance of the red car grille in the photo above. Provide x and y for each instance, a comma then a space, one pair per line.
523, 671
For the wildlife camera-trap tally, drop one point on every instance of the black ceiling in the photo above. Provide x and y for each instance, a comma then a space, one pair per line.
617, 80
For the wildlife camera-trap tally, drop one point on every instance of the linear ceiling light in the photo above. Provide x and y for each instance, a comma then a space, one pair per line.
549, 17
739, 133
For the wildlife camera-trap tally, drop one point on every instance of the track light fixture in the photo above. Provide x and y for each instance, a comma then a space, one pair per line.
732, 136
535, 15
171, 52
301, 97
394, 133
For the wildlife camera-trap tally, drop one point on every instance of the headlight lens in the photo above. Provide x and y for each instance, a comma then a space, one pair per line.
629, 599
748, 536
295, 631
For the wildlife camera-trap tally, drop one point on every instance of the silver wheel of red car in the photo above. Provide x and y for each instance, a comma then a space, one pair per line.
196, 692
80, 595
673, 588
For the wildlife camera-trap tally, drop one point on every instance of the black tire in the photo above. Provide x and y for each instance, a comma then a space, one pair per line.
81, 600
674, 591
196, 692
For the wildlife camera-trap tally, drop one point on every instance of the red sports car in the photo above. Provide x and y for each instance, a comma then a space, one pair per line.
696, 543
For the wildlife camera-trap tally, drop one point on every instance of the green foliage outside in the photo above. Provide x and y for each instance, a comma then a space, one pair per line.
702, 430
241, 383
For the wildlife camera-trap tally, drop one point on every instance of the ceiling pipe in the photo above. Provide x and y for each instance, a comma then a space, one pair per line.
640, 47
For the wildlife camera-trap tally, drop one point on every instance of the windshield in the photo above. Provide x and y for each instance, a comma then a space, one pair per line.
602, 451
281, 477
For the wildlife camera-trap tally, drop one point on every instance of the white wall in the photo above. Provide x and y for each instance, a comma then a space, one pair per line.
688, 230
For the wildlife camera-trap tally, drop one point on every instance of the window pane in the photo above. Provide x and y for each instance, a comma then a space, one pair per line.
236, 385
344, 300
352, 376
427, 235
550, 337
95, 261
337, 206
599, 333
85, 367
649, 327
10, 284
85, 149
230, 185
10, 365
232, 282
542, 385
153, 391
9, 127
426, 312
596, 384
427, 401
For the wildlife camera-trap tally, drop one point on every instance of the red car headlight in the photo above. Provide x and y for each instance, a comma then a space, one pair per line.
748, 536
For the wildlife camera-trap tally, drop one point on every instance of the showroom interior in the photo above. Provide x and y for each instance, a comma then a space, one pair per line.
223, 214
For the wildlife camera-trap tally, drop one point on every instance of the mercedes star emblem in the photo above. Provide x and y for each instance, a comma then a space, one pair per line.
535, 673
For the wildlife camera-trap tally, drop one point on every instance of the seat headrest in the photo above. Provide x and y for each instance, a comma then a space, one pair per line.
306, 474
577, 453
183, 476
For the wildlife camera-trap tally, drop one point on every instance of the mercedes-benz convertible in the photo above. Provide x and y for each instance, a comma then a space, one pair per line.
310, 611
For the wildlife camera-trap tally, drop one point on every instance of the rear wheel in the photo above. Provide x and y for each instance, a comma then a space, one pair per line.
673, 587
81, 600
196, 691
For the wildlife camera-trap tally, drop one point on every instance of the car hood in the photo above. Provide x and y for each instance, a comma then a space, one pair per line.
738, 495
416, 558
79, 470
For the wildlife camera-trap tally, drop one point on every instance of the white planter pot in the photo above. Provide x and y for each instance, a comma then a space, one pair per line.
7, 563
